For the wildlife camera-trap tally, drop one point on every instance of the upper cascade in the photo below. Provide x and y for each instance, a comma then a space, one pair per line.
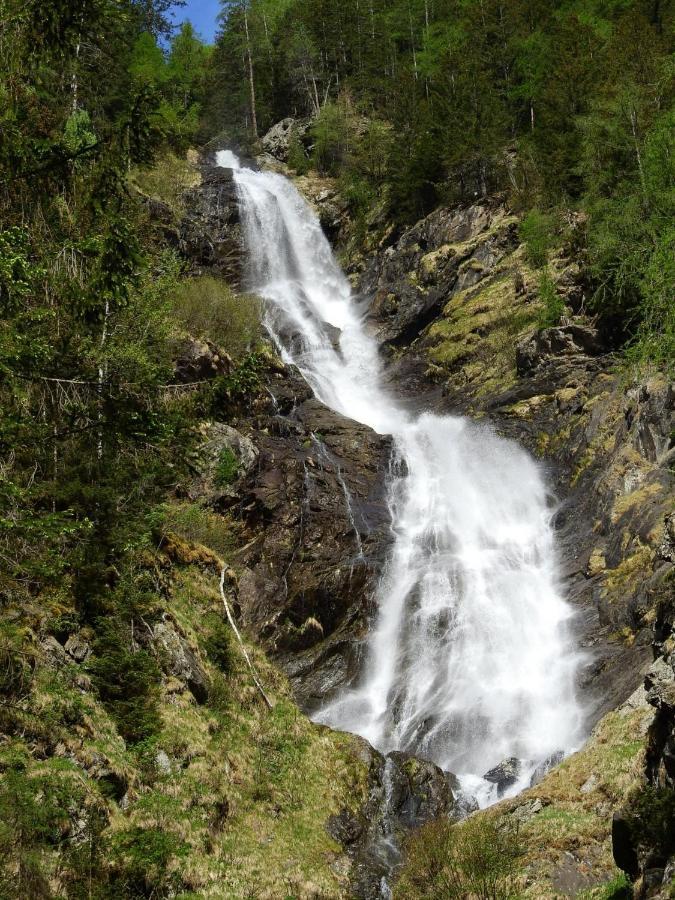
470, 661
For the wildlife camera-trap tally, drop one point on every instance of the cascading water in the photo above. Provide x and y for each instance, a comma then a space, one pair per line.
470, 661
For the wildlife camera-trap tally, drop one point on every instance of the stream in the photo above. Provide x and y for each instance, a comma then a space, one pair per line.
471, 660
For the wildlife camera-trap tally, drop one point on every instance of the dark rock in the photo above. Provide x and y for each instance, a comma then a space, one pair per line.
345, 828
316, 502
210, 235
566, 340
505, 774
449, 251
420, 790
199, 360
404, 793
623, 850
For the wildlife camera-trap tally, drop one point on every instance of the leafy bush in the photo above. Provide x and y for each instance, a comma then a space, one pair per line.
477, 859
218, 643
15, 670
143, 863
208, 308
329, 131
167, 179
127, 680
553, 304
34, 819
239, 386
195, 524
297, 158
537, 233
227, 468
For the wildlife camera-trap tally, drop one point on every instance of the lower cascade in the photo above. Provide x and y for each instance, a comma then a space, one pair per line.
471, 662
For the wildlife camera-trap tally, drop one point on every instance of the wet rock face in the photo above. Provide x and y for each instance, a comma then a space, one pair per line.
504, 775
210, 234
312, 494
404, 793
449, 251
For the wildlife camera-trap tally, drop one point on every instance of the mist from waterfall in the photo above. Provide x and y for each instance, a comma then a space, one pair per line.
470, 660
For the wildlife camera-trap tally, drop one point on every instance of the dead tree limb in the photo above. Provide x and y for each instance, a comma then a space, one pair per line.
230, 619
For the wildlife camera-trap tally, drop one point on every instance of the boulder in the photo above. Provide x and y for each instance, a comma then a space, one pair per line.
199, 360
78, 647
179, 660
419, 790
217, 439
278, 139
505, 774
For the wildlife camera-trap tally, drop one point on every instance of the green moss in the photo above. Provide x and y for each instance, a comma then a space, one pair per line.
619, 581
479, 329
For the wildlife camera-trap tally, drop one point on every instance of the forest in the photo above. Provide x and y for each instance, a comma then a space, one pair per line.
563, 108
416, 103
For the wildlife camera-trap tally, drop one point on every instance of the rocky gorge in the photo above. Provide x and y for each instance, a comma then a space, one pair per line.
453, 304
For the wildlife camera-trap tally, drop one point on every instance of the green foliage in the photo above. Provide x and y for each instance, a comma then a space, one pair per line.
478, 858
34, 821
297, 158
237, 387
143, 863
537, 233
329, 132
127, 679
218, 643
194, 524
553, 303
15, 667
227, 469
651, 817
207, 307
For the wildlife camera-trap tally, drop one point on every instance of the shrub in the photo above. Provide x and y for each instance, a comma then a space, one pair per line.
143, 863
553, 304
476, 859
196, 525
227, 468
218, 643
329, 132
167, 180
207, 308
15, 670
127, 680
537, 233
297, 158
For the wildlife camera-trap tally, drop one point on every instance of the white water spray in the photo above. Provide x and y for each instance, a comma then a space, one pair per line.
470, 660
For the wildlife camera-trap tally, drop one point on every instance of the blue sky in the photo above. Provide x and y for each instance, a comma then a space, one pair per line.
202, 14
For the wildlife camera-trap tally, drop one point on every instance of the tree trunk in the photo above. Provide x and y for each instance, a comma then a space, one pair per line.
251, 81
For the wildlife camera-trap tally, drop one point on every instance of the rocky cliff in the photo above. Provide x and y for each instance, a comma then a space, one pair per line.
455, 304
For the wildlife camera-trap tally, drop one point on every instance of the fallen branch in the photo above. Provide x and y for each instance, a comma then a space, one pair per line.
230, 619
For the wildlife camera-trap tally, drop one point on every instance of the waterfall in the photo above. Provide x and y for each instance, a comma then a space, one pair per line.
470, 661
